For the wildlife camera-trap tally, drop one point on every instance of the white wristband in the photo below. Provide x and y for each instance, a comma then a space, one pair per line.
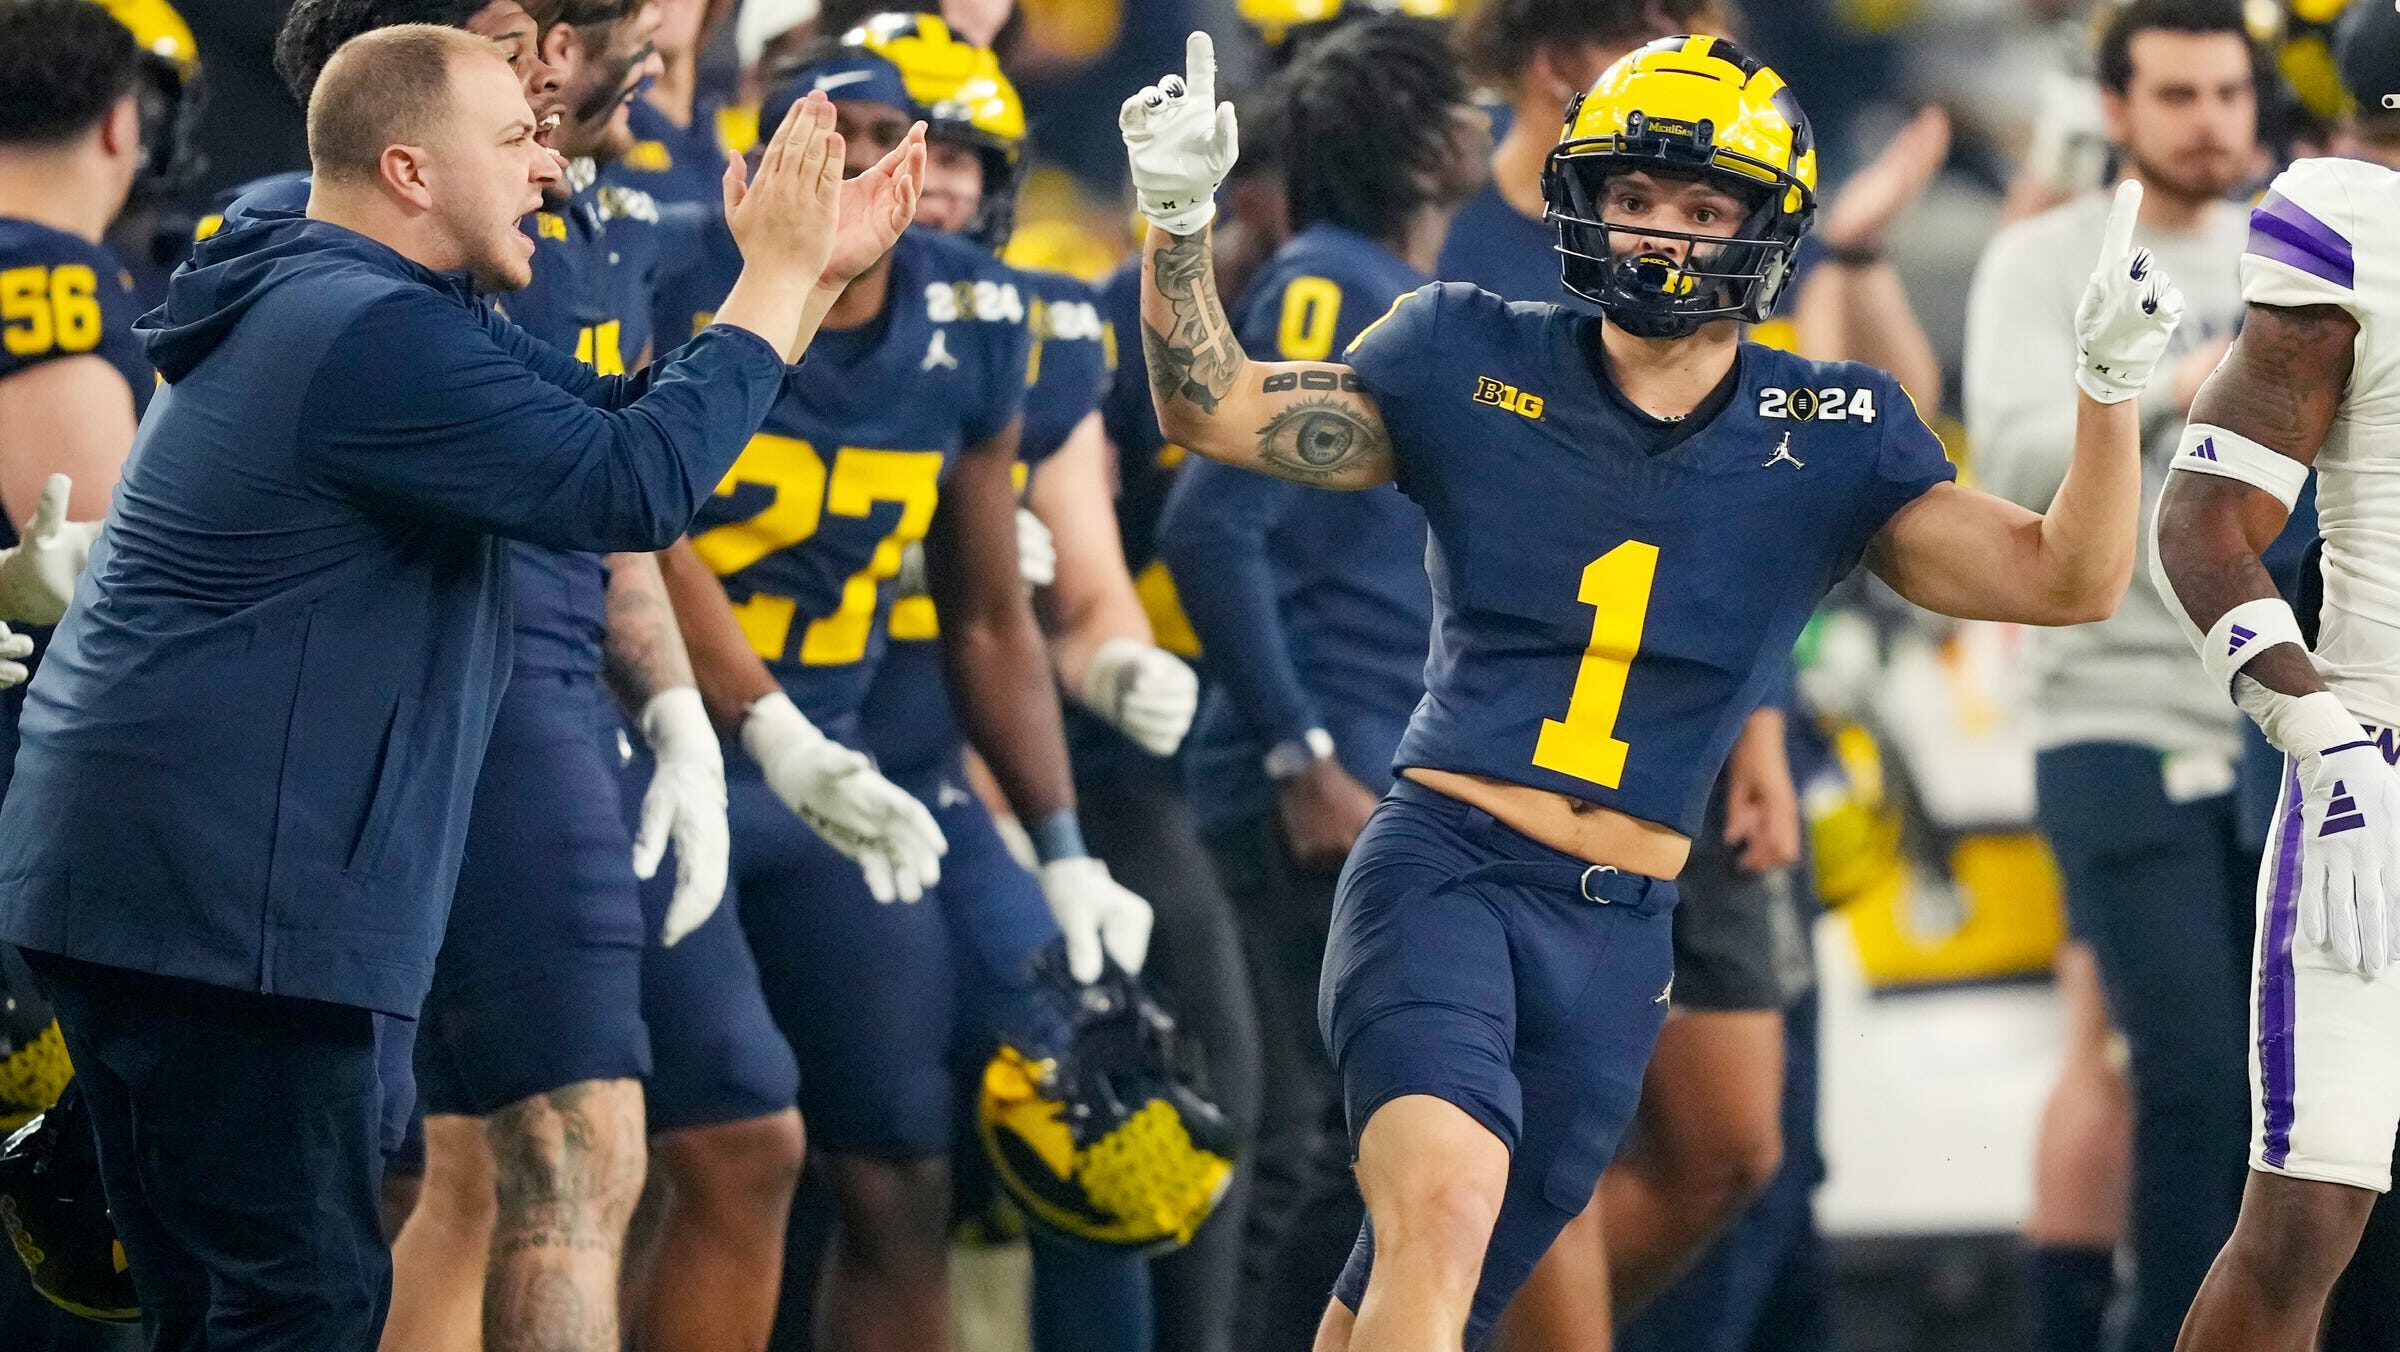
2304, 725
2243, 633
2209, 449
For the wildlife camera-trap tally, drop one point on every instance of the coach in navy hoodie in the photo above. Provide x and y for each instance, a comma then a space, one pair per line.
248, 760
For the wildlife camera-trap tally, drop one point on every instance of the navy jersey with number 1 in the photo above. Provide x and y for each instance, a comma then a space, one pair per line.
1614, 594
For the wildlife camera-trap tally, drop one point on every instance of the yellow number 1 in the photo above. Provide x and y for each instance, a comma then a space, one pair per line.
1584, 744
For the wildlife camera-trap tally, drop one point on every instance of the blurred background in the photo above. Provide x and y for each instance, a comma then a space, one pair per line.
1938, 1021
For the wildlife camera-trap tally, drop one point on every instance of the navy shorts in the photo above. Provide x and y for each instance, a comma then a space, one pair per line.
538, 985
875, 998
1522, 985
716, 1055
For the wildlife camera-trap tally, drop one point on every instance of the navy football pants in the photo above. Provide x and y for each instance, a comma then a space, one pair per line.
1519, 984
539, 981
239, 1149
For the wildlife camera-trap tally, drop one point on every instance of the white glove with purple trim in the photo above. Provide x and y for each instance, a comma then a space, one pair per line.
2350, 855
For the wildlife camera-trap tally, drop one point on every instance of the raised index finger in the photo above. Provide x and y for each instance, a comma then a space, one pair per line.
1200, 68
2116, 241
50, 510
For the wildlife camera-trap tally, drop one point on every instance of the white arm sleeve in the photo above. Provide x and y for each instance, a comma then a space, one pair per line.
2302, 234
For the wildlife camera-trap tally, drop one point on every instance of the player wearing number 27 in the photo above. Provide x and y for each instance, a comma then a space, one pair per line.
1631, 518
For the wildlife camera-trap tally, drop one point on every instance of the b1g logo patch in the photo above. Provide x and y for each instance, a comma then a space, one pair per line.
1831, 404
1524, 403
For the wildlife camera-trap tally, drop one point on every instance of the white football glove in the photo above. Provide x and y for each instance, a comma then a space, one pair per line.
1147, 693
2350, 855
1096, 915
684, 804
13, 646
37, 578
1037, 551
2128, 311
1181, 142
843, 798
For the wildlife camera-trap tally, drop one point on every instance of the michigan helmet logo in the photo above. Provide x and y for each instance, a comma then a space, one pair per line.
1689, 108
958, 88
1093, 1133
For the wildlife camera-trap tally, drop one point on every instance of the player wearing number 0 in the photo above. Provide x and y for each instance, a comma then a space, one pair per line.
1631, 517
2308, 382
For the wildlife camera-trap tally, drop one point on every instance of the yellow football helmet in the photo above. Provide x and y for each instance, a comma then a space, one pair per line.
1691, 107
170, 91
1089, 1125
1275, 20
964, 98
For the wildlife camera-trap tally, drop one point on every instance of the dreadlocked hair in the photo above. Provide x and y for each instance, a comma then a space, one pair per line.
1369, 122
1496, 38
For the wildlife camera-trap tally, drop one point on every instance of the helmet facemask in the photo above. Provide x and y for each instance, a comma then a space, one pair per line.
1650, 295
995, 216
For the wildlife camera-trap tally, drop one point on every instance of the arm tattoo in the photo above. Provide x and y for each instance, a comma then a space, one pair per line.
1195, 358
2282, 387
2284, 383
2213, 568
1318, 439
643, 652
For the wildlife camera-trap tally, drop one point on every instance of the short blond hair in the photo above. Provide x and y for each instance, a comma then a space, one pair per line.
384, 88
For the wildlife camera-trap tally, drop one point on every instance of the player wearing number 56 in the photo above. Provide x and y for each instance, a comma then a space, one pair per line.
1631, 517
248, 757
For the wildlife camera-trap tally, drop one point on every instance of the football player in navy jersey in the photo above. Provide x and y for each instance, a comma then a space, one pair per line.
1632, 516
1313, 607
313, 29
532, 1030
1710, 1135
679, 145
1083, 1296
73, 381
904, 428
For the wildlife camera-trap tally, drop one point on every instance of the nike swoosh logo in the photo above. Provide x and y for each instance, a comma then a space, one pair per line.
848, 77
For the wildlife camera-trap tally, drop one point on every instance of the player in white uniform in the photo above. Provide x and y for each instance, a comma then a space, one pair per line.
2313, 379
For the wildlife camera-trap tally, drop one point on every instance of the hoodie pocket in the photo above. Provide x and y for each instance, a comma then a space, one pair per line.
390, 786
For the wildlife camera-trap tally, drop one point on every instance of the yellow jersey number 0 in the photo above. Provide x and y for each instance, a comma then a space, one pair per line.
44, 308
804, 491
1311, 307
1585, 743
